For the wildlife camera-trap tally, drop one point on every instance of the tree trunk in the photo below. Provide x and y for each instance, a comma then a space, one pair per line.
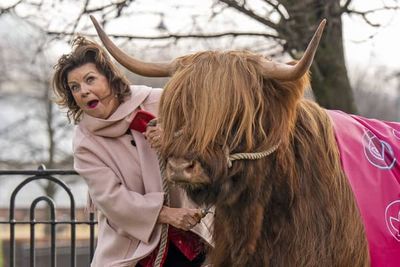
330, 83
329, 80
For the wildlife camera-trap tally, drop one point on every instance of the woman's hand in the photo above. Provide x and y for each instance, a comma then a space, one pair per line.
153, 135
182, 218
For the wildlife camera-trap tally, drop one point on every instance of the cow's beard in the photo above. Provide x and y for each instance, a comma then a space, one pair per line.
203, 195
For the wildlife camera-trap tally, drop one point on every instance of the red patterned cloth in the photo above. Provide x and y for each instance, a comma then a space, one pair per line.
188, 243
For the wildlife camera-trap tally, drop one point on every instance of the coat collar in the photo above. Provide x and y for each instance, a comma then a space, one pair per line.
117, 124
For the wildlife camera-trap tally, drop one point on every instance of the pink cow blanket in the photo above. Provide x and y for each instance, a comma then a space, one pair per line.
370, 155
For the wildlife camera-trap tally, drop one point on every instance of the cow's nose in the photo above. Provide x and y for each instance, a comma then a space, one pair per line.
180, 165
179, 169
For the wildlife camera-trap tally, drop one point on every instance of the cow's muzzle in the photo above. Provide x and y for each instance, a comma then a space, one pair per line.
179, 170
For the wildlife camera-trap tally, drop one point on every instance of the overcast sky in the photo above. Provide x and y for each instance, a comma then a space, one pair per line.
383, 48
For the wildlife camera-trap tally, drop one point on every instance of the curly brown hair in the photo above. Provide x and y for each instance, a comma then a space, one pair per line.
85, 51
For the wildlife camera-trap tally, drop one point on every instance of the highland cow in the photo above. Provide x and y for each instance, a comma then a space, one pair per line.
292, 184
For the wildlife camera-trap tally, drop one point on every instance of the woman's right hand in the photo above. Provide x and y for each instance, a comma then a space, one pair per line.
153, 135
182, 218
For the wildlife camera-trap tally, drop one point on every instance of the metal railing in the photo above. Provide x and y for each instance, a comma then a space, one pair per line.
43, 174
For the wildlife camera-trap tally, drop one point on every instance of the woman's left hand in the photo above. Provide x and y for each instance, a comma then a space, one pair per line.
181, 218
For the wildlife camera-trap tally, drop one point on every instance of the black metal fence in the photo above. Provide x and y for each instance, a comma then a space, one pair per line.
52, 222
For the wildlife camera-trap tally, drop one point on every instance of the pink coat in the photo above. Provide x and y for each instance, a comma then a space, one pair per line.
370, 154
124, 183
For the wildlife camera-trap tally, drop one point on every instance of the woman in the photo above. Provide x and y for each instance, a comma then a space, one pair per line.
120, 167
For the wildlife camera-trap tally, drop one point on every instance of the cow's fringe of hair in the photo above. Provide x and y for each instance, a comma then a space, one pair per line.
207, 80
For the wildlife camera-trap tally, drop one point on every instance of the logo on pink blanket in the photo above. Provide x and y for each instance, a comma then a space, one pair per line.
378, 152
392, 215
396, 134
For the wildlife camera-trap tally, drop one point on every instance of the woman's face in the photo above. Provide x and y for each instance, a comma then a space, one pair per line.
91, 91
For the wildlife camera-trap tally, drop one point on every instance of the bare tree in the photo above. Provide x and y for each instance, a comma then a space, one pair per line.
288, 23
295, 23
34, 131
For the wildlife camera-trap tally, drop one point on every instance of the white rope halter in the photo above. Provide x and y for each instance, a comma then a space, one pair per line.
251, 156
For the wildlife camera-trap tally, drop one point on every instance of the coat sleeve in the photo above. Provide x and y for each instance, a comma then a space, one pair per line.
128, 212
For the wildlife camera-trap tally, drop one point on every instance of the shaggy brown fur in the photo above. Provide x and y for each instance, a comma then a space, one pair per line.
292, 208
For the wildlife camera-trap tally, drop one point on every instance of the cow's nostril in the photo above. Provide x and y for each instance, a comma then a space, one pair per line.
180, 164
181, 171
190, 166
178, 168
187, 165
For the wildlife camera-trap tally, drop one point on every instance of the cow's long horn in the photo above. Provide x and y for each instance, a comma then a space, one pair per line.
137, 66
292, 72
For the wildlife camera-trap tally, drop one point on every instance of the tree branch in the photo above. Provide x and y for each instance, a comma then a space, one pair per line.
101, 8
250, 13
345, 7
84, 10
364, 14
8, 9
276, 7
173, 36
